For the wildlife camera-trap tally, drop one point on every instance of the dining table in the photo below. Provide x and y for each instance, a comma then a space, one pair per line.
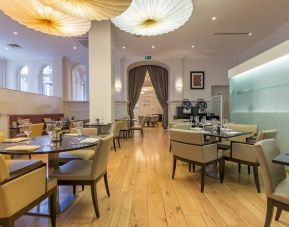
282, 159
99, 125
52, 149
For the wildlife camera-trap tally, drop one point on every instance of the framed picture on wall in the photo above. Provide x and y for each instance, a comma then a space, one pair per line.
197, 80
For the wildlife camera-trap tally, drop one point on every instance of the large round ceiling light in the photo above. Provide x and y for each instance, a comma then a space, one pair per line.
154, 17
90, 9
35, 15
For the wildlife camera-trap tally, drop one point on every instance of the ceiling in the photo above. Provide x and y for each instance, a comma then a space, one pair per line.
259, 17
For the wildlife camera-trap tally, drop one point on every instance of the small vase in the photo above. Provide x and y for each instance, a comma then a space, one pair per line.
57, 137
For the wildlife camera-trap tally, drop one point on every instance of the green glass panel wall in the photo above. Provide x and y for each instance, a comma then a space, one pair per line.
261, 96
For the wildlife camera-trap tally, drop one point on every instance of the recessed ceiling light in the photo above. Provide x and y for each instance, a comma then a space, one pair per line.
214, 18
193, 46
123, 47
250, 33
153, 46
6, 48
74, 47
15, 33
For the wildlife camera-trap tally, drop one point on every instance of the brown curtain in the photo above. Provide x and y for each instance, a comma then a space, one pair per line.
159, 78
136, 77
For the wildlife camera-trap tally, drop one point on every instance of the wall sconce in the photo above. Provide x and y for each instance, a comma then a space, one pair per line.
179, 85
118, 86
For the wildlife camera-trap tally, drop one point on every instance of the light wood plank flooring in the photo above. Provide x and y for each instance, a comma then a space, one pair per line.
143, 194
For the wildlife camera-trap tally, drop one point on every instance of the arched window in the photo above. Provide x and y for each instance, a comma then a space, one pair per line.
79, 92
23, 78
47, 81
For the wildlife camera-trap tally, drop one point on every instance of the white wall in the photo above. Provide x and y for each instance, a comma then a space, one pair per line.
216, 69
35, 67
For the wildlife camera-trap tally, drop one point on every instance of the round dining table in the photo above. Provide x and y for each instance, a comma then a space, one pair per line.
52, 149
46, 147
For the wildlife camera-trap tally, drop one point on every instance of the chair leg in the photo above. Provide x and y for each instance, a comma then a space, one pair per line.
142, 134
278, 213
194, 168
256, 177
174, 167
118, 141
82, 187
239, 167
269, 212
53, 208
249, 170
8, 222
29, 156
94, 198
203, 174
74, 189
106, 184
222, 169
113, 142
190, 167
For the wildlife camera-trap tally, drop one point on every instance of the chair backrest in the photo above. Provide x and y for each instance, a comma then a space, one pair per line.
100, 159
37, 129
4, 171
267, 134
117, 128
124, 124
187, 136
272, 173
2, 136
86, 131
184, 126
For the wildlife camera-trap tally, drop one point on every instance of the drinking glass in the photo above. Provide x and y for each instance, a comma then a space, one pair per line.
50, 129
197, 120
203, 121
215, 123
224, 123
191, 119
58, 125
79, 126
27, 130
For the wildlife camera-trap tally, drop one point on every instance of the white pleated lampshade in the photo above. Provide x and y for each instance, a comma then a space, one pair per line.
90, 9
154, 17
33, 14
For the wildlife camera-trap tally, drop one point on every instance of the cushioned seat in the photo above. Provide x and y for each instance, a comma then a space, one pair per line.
281, 192
74, 170
77, 154
20, 166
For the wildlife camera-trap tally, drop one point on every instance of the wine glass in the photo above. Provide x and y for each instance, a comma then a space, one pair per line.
225, 122
197, 120
191, 119
79, 126
215, 123
58, 125
203, 121
50, 129
27, 130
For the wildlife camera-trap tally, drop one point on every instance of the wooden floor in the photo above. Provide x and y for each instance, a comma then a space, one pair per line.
143, 194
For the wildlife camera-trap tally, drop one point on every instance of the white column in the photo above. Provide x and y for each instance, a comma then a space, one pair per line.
101, 78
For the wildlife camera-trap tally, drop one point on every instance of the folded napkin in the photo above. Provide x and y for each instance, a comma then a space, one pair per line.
89, 140
232, 133
22, 148
71, 134
15, 140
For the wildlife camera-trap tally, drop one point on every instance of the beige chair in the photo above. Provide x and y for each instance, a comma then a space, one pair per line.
116, 131
190, 147
83, 154
245, 153
124, 128
87, 172
274, 177
23, 185
36, 130
138, 127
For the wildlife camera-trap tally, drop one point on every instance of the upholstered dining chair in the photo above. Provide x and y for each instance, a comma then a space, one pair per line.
139, 127
36, 129
245, 153
87, 172
190, 147
27, 177
124, 128
116, 131
83, 154
274, 177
